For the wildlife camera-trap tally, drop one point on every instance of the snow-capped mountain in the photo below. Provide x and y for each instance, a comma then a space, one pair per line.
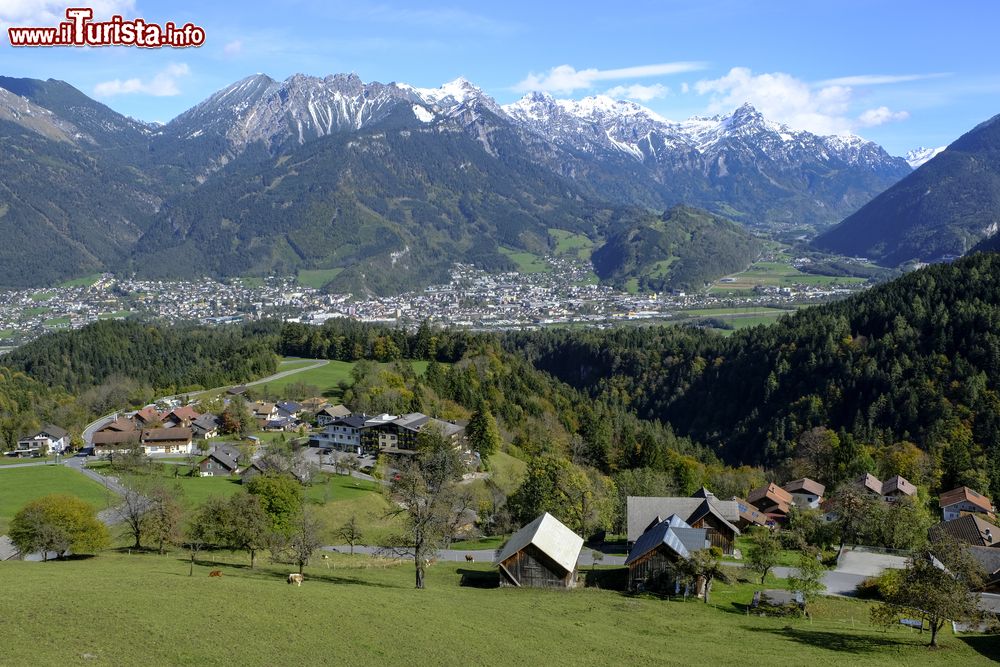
918, 156
601, 123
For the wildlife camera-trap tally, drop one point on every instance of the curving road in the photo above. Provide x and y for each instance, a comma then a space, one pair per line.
88, 431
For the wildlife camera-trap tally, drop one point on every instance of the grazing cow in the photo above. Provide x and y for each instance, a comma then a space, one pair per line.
469, 558
295, 578
215, 573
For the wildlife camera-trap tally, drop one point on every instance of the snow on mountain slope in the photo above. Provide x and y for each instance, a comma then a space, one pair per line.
919, 156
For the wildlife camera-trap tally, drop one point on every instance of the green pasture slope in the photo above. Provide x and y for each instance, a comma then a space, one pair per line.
19, 486
144, 609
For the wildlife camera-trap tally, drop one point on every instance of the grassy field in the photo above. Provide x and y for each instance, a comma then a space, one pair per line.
342, 496
777, 273
115, 315
85, 281
526, 262
326, 377
570, 243
21, 485
39, 297
56, 322
316, 278
152, 613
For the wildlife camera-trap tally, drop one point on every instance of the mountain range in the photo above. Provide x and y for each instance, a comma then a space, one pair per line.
387, 183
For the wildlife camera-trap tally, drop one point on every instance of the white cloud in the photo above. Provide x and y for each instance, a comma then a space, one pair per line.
824, 108
566, 79
878, 79
881, 115
637, 91
232, 48
163, 84
44, 13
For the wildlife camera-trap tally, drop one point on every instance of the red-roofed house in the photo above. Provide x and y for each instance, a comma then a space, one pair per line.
771, 500
896, 487
963, 500
805, 492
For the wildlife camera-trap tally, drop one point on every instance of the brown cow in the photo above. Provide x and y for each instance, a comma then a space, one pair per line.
215, 573
295, 578
469, 558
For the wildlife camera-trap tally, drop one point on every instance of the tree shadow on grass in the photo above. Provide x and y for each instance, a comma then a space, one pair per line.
986, 645
479, 578
837, 641
609, 579
244, 571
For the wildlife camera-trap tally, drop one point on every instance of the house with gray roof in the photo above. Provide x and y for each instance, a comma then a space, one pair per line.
543, 554
653, 555
50, 440
718, 516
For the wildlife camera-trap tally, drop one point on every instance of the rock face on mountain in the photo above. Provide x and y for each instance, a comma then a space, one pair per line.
939, 211
388, 182
740, 165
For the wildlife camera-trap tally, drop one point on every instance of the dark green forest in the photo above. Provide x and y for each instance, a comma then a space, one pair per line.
913, 361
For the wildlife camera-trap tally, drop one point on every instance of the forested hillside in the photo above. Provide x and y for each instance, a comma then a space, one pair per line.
943, 208
913, 361
165, 359
682, 249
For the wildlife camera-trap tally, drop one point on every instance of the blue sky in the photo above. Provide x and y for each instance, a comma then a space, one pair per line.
904, 74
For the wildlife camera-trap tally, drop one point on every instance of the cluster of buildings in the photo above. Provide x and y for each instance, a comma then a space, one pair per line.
388, 434
770, 504
661, 531
566, 292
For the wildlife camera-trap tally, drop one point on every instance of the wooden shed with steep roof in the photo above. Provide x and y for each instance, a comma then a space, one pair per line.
543, 554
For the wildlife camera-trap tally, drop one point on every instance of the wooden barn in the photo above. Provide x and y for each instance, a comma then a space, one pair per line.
543, 554
703, 510
659, 548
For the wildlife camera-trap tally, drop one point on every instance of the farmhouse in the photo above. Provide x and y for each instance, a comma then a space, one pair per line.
969, 529
897, 487
964, 500
147, 417
206, 426
703, 511
119, 435
220, 462
542, 554
656, 550
749, 515
772, 500
330, 414
50, 440
176, 440
806, 493
989, 559
182, 416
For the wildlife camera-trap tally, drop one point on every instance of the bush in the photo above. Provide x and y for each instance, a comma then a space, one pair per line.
881, 587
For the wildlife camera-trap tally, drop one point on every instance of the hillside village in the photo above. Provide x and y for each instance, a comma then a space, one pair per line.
661, 532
